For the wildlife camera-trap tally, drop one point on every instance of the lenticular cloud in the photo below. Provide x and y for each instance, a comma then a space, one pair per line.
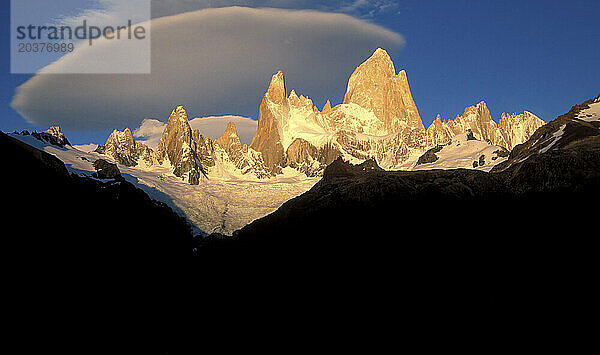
214, 61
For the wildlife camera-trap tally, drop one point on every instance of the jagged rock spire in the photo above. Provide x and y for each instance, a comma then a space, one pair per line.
327, 107
178, 146
276, 92
511, 130
56, 137
267, 140
230, 142
124, 149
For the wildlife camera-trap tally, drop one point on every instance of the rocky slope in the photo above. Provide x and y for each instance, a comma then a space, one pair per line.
580, 126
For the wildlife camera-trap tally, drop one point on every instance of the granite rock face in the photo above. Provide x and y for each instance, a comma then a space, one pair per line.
267, 140
378, 119
375, 86
231, 144
510, 131
178, 146
124, 149
517, 129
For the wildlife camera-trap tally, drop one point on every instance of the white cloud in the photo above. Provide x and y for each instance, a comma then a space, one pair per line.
150, 132
359, 8
213, 61
213, 127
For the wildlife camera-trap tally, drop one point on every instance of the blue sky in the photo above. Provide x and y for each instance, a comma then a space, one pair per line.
540, 56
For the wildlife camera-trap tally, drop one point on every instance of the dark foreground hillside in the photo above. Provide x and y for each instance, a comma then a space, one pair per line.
511, 246
90, 265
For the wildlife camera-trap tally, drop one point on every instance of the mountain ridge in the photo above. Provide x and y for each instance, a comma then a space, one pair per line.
377, 119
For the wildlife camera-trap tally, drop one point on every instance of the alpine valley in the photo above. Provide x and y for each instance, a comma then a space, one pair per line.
220, 185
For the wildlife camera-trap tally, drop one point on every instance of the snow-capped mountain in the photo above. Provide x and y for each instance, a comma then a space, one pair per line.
378, 119
220, 185
512, 129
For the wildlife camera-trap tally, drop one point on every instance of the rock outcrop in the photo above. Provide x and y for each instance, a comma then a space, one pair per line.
230, 143
375, 86
124, 149
179, 148
512, 129
517, 129
106, 170
52, 135
267, 140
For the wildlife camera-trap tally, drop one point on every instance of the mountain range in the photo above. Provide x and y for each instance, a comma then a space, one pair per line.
221, 185
378, 119
465, 220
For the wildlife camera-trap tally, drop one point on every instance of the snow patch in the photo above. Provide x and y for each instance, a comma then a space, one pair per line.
461, 153
556, 136
224, 203
590, 114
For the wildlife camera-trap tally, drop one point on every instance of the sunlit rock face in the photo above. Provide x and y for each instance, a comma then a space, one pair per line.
231, 144
375, 86
267, 140
178, 146
204, 149
517, 129
56, 137
378, 120
124, 149
512, 129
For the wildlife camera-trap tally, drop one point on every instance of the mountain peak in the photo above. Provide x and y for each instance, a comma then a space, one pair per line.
230, 135
179, 113
231, 130
123, 148
118, 136
277, 91
481, 110
327, 107
56, 137
381, 54
375, 86
177, 145
380, 62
